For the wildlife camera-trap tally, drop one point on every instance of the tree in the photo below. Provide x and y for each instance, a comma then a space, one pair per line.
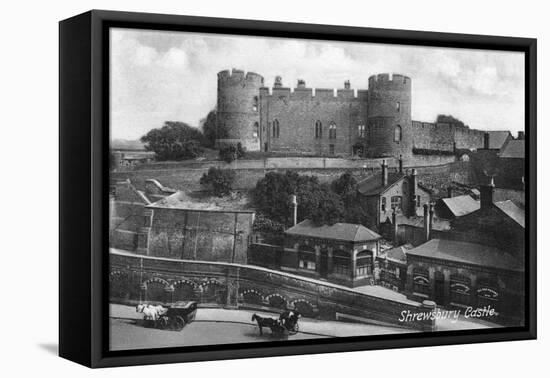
344, 184
231, 152
174, 141
442, 118
316, 202
219, 181
209, 129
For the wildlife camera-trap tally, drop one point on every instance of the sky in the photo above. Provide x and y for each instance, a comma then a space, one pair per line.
159, 76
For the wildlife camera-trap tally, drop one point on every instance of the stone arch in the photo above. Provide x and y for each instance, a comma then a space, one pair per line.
155, 290
213, 291
305, 308
277, 300
252, 296
184, 290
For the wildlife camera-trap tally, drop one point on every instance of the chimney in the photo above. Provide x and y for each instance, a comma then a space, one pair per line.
413, 186
394, 226
486, 141
278, 81
400, 163
431, 219
294, 204
426, 223
487, 194
521, 135
384, 173
450, 191
301, 83
347, 84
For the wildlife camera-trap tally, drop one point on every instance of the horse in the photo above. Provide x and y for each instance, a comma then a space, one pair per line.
265, 322
150, 312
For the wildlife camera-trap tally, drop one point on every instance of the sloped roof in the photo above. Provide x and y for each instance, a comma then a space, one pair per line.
514, 149
513, 211
438, 223
498, 138
183, 201
373, 185
461, 205
468, 253
338, 231
398, 254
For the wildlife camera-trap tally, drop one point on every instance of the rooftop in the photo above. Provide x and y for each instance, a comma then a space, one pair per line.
513, 211
468, 253
461, 205
398, 254
498, 138
200, 202
373, 185
514, 149
338, 231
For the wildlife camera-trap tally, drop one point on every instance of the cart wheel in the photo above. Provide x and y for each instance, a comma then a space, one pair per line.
179, 323
162, 322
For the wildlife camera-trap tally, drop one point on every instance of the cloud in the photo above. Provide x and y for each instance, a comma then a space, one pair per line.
158, 76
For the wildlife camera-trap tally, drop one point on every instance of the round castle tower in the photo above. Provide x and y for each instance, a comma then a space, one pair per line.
238, 109
389, 116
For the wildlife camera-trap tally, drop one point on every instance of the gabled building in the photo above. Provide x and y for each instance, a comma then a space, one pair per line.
385, 192
342, 253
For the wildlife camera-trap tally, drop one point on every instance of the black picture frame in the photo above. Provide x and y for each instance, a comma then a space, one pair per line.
83, 180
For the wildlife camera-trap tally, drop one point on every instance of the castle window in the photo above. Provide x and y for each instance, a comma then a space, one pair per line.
331, 149
361, 131
256, 129
398, 106
397, 135
255, 104
383, 204
318, 130
332, 131
276, 128
417, 201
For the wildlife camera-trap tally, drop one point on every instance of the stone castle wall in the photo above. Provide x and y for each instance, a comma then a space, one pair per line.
248, 111
297, 113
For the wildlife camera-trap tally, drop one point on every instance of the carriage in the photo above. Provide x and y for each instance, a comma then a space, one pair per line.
286, 324
176, 316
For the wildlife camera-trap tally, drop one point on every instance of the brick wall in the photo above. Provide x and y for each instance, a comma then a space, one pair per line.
200, 235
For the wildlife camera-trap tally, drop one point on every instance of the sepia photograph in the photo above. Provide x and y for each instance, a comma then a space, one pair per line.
267, 189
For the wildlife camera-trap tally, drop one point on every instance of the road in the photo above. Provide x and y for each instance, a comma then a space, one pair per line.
221, 326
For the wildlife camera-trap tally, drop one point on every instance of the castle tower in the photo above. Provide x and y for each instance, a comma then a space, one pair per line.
238, 109
389, 125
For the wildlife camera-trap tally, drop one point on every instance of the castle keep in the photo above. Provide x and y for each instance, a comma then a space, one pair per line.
375, 121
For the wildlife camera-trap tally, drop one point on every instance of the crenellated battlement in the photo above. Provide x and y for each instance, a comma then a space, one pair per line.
389, 81
236, 76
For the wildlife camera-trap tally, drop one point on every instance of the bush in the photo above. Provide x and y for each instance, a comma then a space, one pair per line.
231, 153
219, 181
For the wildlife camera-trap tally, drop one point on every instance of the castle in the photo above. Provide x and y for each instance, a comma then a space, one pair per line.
373, 122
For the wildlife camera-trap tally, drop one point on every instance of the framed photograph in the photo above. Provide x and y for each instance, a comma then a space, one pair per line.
235, 188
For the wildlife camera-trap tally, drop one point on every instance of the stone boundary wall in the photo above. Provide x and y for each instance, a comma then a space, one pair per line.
296, 163
135, 278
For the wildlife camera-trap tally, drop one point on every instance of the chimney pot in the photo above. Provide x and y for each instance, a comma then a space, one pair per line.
486, 192
384, 173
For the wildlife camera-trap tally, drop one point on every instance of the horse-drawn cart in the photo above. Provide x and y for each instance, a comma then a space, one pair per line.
175, 316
